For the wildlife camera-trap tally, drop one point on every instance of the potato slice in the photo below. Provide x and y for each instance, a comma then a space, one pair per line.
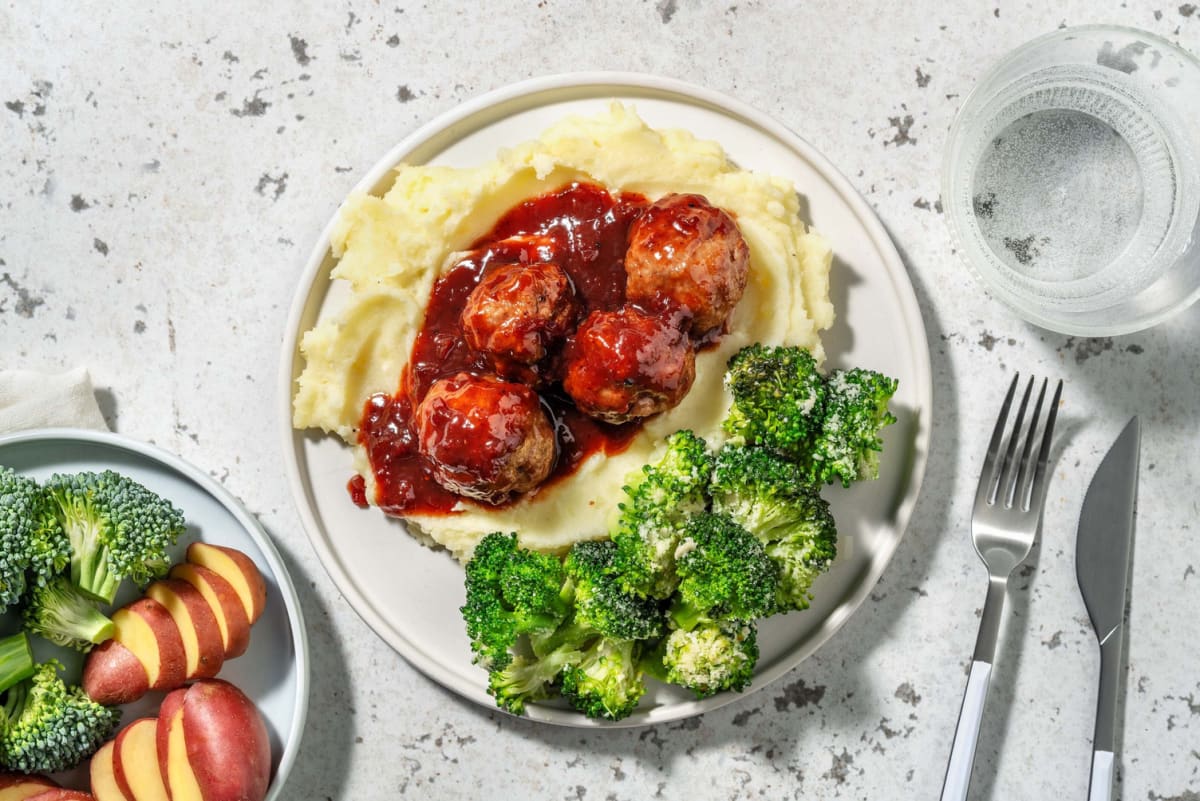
238, 569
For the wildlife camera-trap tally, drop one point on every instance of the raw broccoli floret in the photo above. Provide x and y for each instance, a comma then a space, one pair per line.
650, 522
31, 540
16, 660
712, 657
117, 529
778, 396
855, 410
48, 727
771, 498
600, 600
510, 591
59, 612
608, 681
724, 574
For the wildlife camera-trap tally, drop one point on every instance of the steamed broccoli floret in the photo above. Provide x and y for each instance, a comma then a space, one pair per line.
62, 614
724, 574
799, 560
600, 600
712, 657
31, 539
771, 499
16, 660
778, 395
526, 679
48, 727
607, 682
510, 591
580, 650
856, 409
650, 524
763, 493
117, 529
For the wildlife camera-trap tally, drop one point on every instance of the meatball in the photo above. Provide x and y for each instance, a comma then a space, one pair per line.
485, 438
519, 312
627, 364
687, 252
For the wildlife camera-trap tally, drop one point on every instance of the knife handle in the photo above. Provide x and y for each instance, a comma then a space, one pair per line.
1100, 788
1104, 739
966, 734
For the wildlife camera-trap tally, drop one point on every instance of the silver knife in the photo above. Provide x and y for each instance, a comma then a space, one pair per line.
1102, 552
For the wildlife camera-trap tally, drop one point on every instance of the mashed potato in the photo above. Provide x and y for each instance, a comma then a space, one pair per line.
392, 249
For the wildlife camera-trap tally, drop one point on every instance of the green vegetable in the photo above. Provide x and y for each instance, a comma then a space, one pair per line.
117, 529
855, 411
16, 660
31, 539
828, 426
600, 600
724, 574
510, 591
701, 548
607, 682
711, 657
62, 614
650, 524
526, 679
47, 726
778, 396
771, 498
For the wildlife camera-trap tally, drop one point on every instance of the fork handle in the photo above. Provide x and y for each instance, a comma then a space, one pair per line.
1101, 786
966, 734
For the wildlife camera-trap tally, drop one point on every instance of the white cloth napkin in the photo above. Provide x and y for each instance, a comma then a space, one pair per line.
32, 399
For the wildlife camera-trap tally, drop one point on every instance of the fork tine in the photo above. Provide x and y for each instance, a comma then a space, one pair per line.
1037, 489
1020, 487
1003, 489
988, 473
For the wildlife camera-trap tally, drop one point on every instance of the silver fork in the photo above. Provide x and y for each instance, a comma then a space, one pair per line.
1004, 522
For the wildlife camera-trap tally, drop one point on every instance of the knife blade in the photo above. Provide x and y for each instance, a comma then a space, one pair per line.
1103, 548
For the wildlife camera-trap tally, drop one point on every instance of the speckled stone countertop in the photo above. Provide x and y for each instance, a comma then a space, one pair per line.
166, 169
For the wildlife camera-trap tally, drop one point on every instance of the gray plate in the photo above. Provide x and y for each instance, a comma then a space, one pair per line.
274, 670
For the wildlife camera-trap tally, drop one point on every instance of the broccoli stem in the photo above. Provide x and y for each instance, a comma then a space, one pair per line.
16, 660
685, 615
63, 614
568, 637
89, 565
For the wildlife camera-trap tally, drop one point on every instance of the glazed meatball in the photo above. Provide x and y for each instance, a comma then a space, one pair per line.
627, 364
485, 438
687, 252
519, 312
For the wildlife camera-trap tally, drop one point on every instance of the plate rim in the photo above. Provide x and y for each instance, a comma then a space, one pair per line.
252, 527
894, 267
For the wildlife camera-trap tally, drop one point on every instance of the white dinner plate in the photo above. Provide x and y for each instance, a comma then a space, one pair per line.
410, 595
273, 671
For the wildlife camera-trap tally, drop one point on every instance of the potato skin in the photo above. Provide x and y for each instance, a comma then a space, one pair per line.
61, 794
209, 555
227, 743
229, 604
21, 786
172, 661
114, 675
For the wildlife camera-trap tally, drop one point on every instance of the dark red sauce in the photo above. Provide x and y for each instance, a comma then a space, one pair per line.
583, 229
